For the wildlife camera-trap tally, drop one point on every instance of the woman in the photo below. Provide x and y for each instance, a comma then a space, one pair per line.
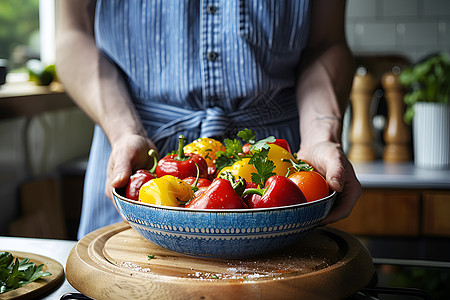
147, 71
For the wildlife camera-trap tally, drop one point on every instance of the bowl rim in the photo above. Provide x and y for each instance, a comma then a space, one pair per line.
116, 195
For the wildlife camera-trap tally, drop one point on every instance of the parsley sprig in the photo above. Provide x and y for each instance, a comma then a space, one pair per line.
249, 136
15, 273
231, 154
259, 155
263, 165
260, 151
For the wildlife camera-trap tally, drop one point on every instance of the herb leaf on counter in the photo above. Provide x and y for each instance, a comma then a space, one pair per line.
15, 273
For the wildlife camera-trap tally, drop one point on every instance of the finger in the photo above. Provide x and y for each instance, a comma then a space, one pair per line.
329, 160
109, 171
118, 172
345, 200
335, 170
335, 176
121, 172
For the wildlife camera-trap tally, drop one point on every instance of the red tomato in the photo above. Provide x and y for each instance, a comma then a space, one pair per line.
312, 184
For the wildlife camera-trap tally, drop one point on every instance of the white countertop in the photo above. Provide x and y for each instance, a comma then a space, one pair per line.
379, 174
56, 249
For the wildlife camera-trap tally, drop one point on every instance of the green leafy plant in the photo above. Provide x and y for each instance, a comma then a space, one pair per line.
427, 81
15, 273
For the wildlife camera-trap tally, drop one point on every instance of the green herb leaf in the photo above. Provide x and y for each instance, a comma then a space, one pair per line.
38, 274
263, 165
247, 135
150, 256
28, 272
13, 279
4, 274
262, 144
5, 259
230, 156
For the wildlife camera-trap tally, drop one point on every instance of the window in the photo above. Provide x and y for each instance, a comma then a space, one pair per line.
27, 31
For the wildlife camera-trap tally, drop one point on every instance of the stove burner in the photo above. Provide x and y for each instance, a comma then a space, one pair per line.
373, 293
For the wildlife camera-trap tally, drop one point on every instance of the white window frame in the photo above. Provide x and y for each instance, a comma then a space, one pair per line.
47, 30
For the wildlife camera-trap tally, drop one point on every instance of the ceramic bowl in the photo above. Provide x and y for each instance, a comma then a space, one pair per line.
232, 234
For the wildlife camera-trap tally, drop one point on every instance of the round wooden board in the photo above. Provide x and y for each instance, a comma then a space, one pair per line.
43, 285
113, 263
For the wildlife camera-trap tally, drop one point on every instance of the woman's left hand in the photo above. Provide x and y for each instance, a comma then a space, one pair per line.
329, 159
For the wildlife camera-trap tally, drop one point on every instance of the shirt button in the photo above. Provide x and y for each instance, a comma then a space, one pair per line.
212, 9
212, 56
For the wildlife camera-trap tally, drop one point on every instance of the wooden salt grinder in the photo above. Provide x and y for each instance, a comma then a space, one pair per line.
361, 135
396, 134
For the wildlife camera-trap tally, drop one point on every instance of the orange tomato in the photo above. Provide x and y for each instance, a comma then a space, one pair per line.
313, 185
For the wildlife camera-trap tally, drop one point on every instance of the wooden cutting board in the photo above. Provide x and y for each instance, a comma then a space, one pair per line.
43, 285
113, 263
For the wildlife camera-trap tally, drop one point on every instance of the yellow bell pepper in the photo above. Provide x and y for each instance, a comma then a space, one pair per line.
206, 148
167, 190
241, 168
276, 154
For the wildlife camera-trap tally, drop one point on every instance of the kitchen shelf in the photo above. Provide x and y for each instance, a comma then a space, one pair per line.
26, 99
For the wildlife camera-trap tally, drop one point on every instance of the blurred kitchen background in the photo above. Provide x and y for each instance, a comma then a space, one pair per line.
412, 28
51, 139
45, 139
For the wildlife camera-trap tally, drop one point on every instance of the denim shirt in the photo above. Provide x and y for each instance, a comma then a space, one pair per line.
198, 68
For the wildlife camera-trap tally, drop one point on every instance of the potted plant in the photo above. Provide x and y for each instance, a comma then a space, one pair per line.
428, 109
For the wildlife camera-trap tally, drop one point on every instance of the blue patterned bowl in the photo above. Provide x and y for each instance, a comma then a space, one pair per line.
234, 234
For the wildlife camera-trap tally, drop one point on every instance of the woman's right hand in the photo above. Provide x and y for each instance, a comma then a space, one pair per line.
128, 154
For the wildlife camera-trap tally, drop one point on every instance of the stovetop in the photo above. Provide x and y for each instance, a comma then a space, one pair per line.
407, 279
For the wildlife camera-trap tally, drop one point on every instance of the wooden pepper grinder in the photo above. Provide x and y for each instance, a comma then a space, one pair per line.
397, 135
361, 137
